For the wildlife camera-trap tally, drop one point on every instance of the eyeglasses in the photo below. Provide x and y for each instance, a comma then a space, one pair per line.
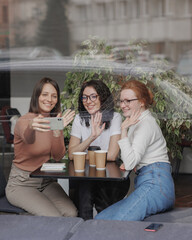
92, 97
126, 101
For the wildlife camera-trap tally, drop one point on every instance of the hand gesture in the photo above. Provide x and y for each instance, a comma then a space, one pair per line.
67, 117
96, 127
133, 119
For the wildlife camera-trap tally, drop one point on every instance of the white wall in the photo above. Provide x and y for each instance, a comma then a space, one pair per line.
22, 84
22, 104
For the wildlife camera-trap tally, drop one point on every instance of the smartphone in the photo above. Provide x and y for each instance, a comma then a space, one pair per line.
153, 227
55, 123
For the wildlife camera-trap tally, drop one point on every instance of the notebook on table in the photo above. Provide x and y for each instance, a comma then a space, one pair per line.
53, 167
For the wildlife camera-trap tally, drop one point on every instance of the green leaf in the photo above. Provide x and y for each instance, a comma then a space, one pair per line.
176, 131
188, 124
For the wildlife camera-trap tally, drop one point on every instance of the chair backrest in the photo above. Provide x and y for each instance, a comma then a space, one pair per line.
5, 206
3, 183
12, 112
6, 114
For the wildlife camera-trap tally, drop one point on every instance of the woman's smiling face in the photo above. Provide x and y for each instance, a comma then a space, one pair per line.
126, 106
47, 99
91, 100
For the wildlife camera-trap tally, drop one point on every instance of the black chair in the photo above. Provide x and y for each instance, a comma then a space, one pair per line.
5, 206
6, 114
177, 161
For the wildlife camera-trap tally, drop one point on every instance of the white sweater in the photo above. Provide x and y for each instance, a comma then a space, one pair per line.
144, 145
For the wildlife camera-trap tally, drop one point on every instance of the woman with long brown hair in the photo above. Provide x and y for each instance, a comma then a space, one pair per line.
34, 144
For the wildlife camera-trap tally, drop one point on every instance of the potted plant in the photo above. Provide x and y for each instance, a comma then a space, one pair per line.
173, 108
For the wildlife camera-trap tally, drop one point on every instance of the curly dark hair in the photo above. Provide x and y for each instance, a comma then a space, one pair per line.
34, 103
106, 99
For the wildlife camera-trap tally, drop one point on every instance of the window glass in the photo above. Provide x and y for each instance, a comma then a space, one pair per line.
41, 37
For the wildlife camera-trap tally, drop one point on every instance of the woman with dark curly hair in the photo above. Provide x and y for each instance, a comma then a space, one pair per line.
97, 125
106, 101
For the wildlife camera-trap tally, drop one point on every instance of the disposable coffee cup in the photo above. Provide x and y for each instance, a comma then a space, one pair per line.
92, 171
80, 174
79, 161
101, 173
100, 159
91, 155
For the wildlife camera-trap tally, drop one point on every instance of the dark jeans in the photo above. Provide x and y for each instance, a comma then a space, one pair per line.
101, 193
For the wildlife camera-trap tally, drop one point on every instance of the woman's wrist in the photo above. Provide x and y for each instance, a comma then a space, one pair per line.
123, 133
92, 138
124, 130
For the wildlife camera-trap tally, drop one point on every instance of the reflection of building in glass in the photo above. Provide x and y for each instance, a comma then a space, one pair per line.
38, 22
165, 24
24, 18
4, 21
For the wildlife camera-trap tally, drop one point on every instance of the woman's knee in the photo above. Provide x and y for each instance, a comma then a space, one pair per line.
70, 212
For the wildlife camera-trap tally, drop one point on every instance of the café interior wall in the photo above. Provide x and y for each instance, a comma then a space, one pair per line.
22, 84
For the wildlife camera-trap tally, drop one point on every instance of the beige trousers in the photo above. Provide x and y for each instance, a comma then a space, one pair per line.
38, 196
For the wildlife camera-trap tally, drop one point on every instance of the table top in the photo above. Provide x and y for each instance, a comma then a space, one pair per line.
111, 173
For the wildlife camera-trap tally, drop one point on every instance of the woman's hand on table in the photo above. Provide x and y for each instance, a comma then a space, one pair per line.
122, 167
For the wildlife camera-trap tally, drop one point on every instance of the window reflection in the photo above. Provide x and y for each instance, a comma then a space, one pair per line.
62, 25
48, 30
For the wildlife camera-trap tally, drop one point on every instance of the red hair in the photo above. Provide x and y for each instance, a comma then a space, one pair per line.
141, 91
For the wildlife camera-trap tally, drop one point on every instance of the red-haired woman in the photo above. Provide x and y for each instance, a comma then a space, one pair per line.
142, 147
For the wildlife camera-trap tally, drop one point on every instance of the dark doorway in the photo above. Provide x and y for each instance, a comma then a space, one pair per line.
4, 89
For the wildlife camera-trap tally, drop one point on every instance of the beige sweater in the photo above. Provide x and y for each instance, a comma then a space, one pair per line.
33, 148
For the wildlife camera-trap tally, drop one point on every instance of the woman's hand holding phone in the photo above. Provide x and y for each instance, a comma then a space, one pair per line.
39, 123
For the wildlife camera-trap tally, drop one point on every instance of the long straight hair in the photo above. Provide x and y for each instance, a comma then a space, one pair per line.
34, 103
